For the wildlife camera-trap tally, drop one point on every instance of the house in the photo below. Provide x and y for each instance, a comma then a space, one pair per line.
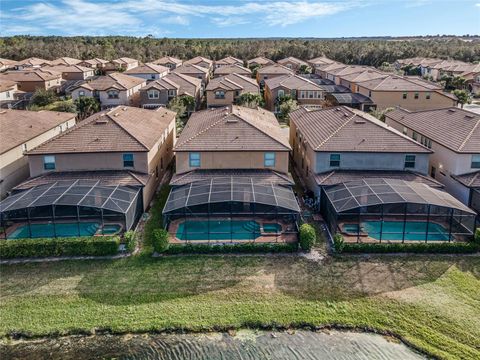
95, 63
96, 178
8, 92
232, 69
420, 64
169, 62
271, 71
195, 71
319, 61
454, 136
292, 63
324, 70
472, 76
304, 91
6, 64
158, 93
121, 64
259, 62
353, 100
71, 72
112, 90
21, 131
32, 62
31, 80
224, 90
148, 71
200, 61
65, 61
232, 174
229, 60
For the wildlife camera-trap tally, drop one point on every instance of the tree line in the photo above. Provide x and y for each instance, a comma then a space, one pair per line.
372, 52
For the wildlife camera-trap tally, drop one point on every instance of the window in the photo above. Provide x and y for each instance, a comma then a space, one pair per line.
414, 136
24, 147
404, 95
171, 92
293, 93
409, 161
153, 94
280, 93
269, 159
152, 76
405, 130
220, 94
427, 96
128, 160
81, 93
475, 161
310, 94
49, 162
8, 94
112, 94
194, 159
416, 96
370, 93
334, 160
237, 92
433, 172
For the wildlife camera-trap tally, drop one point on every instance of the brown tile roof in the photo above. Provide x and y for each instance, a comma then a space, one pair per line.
184, 84
33, 61
197, 60
232, 128
122, 128
350, 69
365, 75
335, 177
274, 69
234, 82
31, 75
260, 60
229, 60
454, 128
19, 126
425, 83
124, 60
66, 61
321, 60
6, 85
7, 62
115, 80
106, 178
397, 83
232, 69
331, 67
190, 69
293, 60
148, 68
471, 180
348, 130
166, 60
95, 61
261, 176
67, 68
419, 61
291, 82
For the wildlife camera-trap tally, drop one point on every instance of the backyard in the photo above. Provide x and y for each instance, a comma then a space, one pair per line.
431, 302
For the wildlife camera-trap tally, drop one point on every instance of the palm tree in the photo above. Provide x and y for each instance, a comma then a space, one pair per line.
86, 106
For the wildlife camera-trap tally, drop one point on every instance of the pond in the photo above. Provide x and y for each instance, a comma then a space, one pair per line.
244, 345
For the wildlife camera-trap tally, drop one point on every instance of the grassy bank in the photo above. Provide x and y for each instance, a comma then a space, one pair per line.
432, 302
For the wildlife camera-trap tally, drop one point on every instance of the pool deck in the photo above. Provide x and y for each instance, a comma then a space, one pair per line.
288, 234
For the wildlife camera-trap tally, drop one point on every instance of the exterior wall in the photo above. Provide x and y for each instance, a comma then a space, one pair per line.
212, 102
262, 77
271, 95
88, 162
7, 95
128, 97
31, 86
78, 75
386, 99
150, 77
14, 165
161, 101
232, 160
76, 93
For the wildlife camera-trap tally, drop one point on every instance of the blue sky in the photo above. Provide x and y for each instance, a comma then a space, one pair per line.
238, 18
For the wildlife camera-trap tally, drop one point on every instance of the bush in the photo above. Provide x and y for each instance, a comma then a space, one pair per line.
246, 248
160, 240
130, 240
476, 237
81, 246
420, 248
338, 243
42, 97
307, 237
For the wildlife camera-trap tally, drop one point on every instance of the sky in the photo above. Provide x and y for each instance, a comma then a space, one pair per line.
239, 18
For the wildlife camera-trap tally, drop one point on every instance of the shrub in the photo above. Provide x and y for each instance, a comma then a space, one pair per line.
246, 248
80, 246
476, 237
160, 240
42, 97
420, 248
338, 243
130, 240
307, 237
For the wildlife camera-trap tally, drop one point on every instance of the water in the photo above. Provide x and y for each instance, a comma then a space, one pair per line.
245, 345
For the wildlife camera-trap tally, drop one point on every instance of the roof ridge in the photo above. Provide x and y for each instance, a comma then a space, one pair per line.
202, 131
123, 128
467, 138
336, 131
380, 83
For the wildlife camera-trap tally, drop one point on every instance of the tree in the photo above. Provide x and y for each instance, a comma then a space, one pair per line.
458, 82
380, 114
189, 102
86, 106
305, 69
178, 106
250, 100
254, 69
42, 97
462, 96
65, 106
286, 106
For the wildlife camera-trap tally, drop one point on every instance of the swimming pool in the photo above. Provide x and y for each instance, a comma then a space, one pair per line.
393, 230
218, 230
67, 229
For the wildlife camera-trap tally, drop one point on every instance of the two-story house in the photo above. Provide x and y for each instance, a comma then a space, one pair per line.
169, 62
340, 144
292, 63
200, 61
65, 61
454, 136
271, 71
31, 80
7, 64
112, 90
259, 61
158, 93
148, 71
21, 131
195, 71
319, 61
120, 64
229, 60
232, 69
224, 90
8, 92
71, 72
31, 63
95, 63
304, 91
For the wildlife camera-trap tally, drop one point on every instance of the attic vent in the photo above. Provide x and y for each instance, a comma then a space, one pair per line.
232, 120
116, 114
101, 121
338, 109
3, 111
346, 115
470, 116
359, 121
124, 108
452, 110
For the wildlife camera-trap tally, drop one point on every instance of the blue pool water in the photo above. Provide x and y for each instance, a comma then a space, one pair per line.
393, 230
218, 230
61, 230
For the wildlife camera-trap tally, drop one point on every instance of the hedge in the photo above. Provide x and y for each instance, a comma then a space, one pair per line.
476, 237
308, 237
425, 248
76, 246
174, 249
130, 240
160, 240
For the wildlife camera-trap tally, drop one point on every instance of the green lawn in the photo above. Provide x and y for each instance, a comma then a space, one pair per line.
432, 302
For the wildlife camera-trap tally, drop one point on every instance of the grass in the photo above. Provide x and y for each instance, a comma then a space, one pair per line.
433, 303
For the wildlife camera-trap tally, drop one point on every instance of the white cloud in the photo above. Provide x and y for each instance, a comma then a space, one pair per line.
176, 19
229, 21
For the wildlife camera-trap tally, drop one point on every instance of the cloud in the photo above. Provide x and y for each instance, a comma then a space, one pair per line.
130, 17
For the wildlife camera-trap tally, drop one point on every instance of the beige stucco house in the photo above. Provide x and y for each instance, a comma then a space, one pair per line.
148, 71
292, 63
229, 60
200, 61
120, 64
195, 71
271, 71
224, 90
169, 62
95, 63
65, 61
71, 72
232, 69
259, 61
30, 80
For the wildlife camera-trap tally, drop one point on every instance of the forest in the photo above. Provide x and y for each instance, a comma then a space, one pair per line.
365, 51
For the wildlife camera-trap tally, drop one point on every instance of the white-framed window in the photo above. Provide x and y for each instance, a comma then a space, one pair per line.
476, 161
269, 159
194, 159
128, 160
81, 93
334, 160
153, 94
49, 162
281, 93
409, 161
171, 92
219, 94
8, 94
112, 94
24, 147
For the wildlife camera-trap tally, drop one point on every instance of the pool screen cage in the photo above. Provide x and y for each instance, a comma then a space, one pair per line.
383, 210
228, 209
70, 202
